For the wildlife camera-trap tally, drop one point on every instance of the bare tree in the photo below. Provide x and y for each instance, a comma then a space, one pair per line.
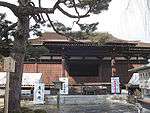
24, 12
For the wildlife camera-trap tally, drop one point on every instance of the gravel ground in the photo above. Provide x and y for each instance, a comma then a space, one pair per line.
104, 107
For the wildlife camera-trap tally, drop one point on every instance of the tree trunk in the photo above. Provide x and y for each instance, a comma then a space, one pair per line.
20, 40
15, 86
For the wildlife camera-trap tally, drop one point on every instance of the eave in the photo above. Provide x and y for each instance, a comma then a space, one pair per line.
141, 68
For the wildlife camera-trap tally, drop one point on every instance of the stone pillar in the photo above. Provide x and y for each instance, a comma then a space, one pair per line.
113, 67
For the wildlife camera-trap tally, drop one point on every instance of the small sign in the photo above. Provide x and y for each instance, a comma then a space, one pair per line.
115, 85
9, 64
64, 89
39, 93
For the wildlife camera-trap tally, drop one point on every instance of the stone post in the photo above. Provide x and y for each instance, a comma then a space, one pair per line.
113, 67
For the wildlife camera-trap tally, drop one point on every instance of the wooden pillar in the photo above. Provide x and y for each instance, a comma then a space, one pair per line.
63, 62
63, 67
100, 67
36, 67
6, 100
129, 66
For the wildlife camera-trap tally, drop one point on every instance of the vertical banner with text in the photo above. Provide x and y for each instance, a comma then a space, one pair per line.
115, 85
39, 93
64, 89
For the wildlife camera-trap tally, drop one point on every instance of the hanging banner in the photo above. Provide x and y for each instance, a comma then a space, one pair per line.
39, 93
64, 89
115, 85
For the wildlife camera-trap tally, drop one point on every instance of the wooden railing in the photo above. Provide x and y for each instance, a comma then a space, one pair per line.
76, 89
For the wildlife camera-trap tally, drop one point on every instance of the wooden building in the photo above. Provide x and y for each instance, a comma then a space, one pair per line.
86, 63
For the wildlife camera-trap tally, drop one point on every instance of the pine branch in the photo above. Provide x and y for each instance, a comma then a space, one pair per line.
11, 27
12, 7
70, 15
63, 34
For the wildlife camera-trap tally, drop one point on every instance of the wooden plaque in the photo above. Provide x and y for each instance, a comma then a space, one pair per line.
9, 64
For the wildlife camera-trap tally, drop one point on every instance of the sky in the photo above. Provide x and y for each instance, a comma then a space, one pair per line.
125, 19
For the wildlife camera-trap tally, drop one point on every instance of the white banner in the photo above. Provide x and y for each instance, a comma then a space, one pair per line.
39, 93
115, 85
64, 89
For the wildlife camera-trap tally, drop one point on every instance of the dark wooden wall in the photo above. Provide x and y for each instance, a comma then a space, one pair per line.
52, 72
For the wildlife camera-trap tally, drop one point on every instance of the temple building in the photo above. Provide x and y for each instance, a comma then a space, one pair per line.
85, 63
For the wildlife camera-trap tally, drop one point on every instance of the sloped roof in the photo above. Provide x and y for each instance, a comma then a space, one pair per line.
137, 69
137, 43
116, 40
142, 44
54, 37
48, 37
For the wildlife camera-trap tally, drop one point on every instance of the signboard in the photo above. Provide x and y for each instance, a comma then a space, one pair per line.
39, 93
115, 85
9, 64
64, 89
